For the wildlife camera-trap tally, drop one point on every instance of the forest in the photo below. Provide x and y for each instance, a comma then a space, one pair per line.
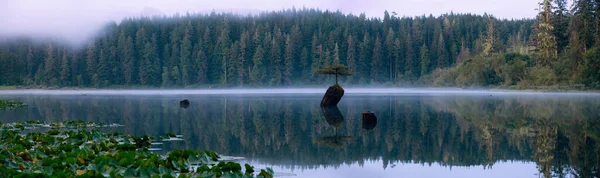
560, 48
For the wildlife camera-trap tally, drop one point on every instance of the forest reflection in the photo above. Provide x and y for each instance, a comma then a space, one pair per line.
559, 133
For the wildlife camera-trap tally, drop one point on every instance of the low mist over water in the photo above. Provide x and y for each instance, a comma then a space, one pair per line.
292, 91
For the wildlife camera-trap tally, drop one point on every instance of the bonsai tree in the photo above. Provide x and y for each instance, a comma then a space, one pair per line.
337, 69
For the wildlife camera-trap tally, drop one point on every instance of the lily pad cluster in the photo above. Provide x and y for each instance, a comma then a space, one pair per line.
10, 104
93, 153
35, 124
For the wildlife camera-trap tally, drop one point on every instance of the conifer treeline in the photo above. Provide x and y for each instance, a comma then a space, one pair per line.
284, 48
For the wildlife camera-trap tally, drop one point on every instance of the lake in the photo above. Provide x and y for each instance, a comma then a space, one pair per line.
418, 133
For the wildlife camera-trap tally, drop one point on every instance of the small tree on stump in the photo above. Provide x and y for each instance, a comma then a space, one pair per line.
337, 69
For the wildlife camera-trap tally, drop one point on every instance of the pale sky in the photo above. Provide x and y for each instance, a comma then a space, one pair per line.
78, 19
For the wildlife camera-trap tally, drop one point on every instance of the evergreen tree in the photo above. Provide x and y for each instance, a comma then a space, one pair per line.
351, 56
425, 60
220, 53
65, 69
102, 70
165, 77
31, 63
50, 70
364, 56
336, 54
201, 64
288, 63
304, 65
560, 22
409, 66
441, 52
376, 61
257, 73
275, 62
185, 55
390, 52
546, 41
90, 62
175, 75
126, 46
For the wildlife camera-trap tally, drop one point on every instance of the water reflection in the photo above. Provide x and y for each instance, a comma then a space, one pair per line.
559, 134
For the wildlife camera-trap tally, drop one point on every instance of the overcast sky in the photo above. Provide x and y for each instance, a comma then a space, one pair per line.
77, 19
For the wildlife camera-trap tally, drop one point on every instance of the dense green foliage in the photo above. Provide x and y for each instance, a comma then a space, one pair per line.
336, 69
272, 49
10, 104
562, 53
284, 48
94, 153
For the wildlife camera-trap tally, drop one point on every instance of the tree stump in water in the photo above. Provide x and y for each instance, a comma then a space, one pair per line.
333, 95
369, 120
184, 103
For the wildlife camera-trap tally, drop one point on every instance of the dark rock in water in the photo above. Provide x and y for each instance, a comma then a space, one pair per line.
184, 103
333, 95
369, 120
333, 115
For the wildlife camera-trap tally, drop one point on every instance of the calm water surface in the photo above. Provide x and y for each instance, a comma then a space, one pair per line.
419, 134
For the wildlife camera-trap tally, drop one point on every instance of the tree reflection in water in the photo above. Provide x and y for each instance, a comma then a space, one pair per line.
334, 118
559, 133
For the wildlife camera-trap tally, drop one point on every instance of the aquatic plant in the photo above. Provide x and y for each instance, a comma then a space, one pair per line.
10, 104
68, 151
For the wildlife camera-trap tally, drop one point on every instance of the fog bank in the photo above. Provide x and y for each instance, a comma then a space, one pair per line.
292, 91
77, 20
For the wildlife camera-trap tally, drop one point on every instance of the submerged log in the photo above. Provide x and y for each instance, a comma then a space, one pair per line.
369, 120
184, 103
333, 115
333, 95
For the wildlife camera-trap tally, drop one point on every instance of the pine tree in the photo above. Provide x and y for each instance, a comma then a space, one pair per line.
90, 62
288, 62
126, 46
364, 54
230, 64
65, 69
390, 52
491, 39
140, 41
376, 61
102, 70
546, 41
50, 71
275, 64
221, 52
176, 75
31, 63
409, 66
583, 24
153, 61
242, 56
317, 54
441, 52
185, 55
165, 77
560, 22
201, 64
305, 68
351, 56
258, 72
425, 61
336, 54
